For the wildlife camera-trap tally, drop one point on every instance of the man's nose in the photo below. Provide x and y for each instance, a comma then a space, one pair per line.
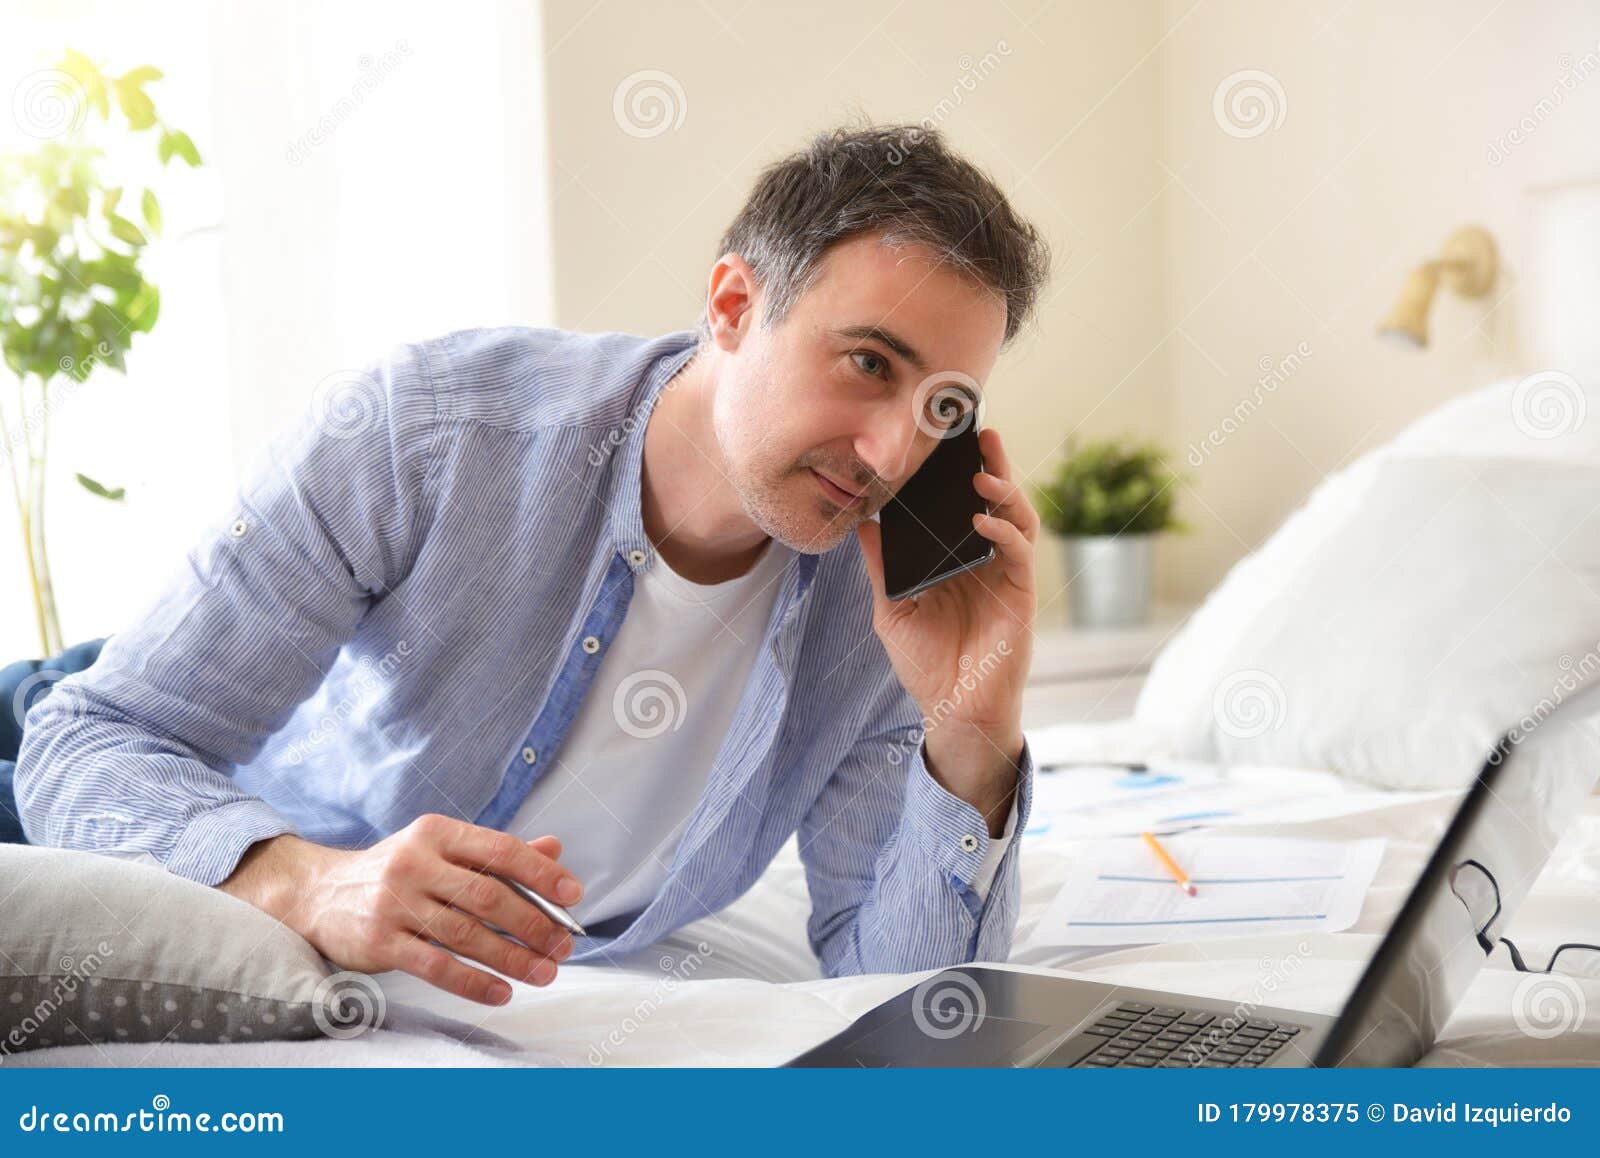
885, 446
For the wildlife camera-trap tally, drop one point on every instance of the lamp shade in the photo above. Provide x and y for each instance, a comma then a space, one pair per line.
1408, 318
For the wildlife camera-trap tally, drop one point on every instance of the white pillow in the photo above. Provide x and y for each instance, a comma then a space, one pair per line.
1421, 603
1544, 415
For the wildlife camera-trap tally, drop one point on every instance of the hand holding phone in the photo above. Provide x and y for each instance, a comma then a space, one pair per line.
963, 649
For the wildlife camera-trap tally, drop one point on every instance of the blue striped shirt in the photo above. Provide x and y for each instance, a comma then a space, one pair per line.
417, 585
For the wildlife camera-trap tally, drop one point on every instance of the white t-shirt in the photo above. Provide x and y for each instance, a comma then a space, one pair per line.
640, 749
637, 758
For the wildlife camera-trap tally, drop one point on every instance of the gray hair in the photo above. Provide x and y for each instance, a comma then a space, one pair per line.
902, 181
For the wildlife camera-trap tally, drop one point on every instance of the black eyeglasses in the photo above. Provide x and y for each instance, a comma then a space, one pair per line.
1481, 932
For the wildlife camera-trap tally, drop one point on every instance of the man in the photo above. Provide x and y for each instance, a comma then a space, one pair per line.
623, 591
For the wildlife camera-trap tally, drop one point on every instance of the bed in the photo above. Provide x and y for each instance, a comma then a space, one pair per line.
742, 988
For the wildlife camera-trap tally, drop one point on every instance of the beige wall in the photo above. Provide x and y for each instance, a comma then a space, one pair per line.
1395, 126
1186, 256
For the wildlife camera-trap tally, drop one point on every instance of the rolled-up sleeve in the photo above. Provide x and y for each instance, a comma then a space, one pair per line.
894, 862
137, 753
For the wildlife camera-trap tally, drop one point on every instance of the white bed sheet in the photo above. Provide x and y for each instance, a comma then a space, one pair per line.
742, 988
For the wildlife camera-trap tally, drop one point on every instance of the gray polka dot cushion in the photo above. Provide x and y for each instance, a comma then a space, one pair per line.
99, 949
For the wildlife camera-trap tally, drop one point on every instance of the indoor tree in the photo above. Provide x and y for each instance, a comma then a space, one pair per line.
72, 293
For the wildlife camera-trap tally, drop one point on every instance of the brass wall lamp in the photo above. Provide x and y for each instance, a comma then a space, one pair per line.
1466, 264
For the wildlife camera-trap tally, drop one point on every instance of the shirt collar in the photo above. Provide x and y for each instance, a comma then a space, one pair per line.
673, 352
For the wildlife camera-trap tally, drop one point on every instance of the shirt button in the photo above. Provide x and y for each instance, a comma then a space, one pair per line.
591, 644
529, 755
238, 528
637, 557
969, 842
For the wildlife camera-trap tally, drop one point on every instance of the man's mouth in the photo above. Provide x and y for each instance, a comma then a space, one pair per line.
838, 494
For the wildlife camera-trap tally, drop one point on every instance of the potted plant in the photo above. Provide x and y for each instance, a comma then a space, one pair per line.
72, 291
1107, 501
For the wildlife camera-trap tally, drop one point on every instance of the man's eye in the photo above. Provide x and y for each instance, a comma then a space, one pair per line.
877, 366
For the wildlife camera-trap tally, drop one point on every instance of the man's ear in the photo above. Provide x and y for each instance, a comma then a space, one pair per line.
731, 301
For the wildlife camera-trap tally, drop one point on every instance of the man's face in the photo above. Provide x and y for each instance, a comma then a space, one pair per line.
837, 387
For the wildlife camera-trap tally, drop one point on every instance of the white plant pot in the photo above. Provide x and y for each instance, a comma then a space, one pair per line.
1108, 579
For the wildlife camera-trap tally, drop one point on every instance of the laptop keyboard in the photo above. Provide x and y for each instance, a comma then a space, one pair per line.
1139, 1036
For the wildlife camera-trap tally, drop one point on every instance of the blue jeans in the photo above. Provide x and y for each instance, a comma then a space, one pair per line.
22, 685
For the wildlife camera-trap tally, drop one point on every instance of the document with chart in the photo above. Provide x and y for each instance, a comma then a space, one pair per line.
1117, 893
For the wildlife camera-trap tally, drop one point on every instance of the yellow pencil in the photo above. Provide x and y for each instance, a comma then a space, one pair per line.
1178, 874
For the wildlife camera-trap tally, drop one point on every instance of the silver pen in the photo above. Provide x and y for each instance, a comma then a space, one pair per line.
548, 907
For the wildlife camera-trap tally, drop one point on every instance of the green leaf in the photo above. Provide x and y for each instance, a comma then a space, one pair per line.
138, 108
44, 239
144, 309
151, 208
99, 98
113, 198
137, 77
86, 73
116, 270
124, 230
175, 142
73, 199
78, 64
115, 494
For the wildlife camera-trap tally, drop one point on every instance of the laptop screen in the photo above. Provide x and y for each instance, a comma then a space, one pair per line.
1497, 844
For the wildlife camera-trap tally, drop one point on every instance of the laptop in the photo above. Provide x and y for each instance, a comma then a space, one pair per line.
1497, 843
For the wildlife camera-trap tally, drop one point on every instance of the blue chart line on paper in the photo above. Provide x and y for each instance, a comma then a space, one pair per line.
1197, 921
1111, 896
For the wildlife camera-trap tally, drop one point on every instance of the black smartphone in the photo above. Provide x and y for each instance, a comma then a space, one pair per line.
927, 532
